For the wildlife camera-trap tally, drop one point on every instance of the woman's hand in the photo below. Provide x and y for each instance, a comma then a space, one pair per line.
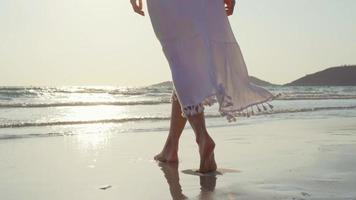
137, 6
229, 6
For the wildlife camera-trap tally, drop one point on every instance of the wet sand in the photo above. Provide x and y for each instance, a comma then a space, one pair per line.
284, 159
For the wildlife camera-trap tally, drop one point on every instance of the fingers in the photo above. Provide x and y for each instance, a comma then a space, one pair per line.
233, 6
140, 4
229, 6
137, 7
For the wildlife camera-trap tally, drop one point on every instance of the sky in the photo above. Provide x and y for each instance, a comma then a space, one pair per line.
92, 42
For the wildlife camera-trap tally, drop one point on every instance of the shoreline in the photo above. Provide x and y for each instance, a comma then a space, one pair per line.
277, 159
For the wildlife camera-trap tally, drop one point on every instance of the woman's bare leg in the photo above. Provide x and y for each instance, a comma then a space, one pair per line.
170, 149
205, 142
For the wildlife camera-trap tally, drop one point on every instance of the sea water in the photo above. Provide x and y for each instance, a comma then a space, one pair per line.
30, 112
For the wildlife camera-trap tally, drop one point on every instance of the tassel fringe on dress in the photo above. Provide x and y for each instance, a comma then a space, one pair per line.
248, 111
205, 59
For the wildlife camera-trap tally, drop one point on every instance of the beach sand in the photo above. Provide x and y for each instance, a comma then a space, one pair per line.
286, 159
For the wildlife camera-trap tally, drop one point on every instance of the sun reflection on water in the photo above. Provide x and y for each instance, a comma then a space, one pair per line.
93, 113
94, 142
96, 137
93, 136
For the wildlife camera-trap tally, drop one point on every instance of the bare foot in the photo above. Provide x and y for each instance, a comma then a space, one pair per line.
168, 154
206, 151
166, 157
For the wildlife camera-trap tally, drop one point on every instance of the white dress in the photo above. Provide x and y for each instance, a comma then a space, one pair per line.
205, 60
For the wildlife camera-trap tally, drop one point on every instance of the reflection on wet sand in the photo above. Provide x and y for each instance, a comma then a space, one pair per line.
171, 174
207, 186
170, 171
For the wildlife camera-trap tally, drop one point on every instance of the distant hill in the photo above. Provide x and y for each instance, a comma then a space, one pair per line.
334, 76
253, 79
260, 82
163, 84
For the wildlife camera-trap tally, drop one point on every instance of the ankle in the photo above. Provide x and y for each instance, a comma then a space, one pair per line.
172, 142
205, 139
170, 146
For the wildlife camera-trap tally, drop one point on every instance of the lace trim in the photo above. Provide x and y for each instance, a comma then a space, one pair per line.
226, 101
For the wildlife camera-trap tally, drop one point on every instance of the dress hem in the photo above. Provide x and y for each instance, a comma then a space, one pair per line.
230, 115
